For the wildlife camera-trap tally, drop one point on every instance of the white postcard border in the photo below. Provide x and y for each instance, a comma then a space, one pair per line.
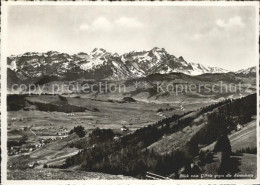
112, 182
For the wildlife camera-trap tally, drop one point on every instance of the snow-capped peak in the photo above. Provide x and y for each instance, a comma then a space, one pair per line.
98, 52
51, 53
82, 55
181, 58
246, 71
31, 54
198, 69
158, 49
129, 65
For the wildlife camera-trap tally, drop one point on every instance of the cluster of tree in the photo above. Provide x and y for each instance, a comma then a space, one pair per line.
166, 109
215, 127
213, 106
129, 99
147, 135
79, 130
57, 107
18, 142
186, 121
129, 161
241, 110
95, 137
101, 135
15, 102
247, 150
170, 119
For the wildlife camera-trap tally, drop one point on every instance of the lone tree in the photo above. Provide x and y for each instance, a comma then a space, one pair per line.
223, 145
227, 165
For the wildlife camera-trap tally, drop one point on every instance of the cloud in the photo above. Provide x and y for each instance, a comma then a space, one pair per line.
231, 28
100, 23
195, 36
128, 22
103, 24
84, 27
230, 23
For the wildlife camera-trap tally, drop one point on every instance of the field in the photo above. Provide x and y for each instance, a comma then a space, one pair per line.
45, 133
41, 139
110, 115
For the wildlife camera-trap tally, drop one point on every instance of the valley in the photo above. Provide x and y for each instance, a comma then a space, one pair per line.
42, 139
130, 91
103, 115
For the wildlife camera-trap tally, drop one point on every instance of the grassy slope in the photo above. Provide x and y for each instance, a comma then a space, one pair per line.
56, 174
176, 140
248, 164
245, 137
55, 152
179, 139
240, 139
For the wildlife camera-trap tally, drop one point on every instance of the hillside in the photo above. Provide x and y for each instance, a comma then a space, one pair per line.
130, 155
161, 139
158, 88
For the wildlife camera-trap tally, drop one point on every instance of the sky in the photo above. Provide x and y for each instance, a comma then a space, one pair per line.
210, 35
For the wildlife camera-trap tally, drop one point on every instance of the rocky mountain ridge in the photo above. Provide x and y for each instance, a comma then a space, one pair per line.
100, 64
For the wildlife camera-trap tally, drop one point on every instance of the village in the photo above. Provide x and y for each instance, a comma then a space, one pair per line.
22, 143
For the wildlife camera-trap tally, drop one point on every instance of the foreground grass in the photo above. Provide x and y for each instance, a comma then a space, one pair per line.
56, 174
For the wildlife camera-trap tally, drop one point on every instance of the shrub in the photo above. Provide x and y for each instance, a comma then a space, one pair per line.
129, 99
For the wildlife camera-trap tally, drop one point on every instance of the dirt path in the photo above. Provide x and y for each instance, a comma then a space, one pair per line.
32, 132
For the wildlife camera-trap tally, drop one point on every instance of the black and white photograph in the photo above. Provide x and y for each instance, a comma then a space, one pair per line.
130, 91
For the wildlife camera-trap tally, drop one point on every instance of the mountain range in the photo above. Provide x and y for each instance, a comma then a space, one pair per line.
101, 64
